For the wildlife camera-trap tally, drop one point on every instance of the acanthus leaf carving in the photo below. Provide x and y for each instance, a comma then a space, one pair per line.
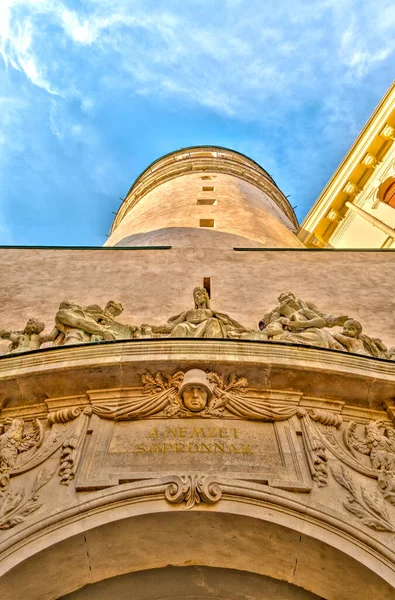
16, 505
369, 508
193, 489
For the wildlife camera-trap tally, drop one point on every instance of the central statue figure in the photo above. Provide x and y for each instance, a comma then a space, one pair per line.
201, 322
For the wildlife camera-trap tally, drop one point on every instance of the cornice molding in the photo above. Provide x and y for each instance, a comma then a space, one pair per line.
362, 381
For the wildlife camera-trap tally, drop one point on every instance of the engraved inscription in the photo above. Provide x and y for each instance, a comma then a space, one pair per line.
119, 452
193, 440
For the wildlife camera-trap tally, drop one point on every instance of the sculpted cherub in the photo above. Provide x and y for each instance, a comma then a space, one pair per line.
13, 441
353, 340
350, 337
201, 321
30, 338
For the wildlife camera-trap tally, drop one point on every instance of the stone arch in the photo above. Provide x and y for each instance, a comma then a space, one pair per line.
258, 538
192, 583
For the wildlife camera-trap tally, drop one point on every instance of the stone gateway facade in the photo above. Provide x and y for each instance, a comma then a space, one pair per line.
202, 408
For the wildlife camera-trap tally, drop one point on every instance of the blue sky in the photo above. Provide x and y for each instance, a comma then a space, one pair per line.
92, 91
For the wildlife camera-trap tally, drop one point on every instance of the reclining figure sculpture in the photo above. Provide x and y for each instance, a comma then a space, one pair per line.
292, 321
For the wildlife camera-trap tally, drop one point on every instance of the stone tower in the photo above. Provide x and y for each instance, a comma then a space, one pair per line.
205, 196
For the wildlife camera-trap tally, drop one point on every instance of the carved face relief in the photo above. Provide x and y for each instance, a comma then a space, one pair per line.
199, 297
195, 397
34, 326
351, 329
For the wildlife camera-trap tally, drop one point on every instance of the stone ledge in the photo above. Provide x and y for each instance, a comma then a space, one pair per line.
33, 377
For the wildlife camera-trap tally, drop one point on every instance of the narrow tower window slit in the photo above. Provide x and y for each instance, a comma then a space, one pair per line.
207, 285
206, 223
207, 201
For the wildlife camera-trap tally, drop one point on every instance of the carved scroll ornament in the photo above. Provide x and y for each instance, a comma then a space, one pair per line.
314, 445
193, 489
22, 451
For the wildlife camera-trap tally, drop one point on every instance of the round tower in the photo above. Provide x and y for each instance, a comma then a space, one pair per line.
204, 195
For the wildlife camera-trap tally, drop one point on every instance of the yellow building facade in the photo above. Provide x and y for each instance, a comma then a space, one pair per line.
357, 207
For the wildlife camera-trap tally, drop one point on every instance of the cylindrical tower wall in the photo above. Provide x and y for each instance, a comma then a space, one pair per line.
230, 195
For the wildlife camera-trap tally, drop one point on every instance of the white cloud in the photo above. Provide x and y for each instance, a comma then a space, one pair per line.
88, 104
227, 61
17, 40
297, 69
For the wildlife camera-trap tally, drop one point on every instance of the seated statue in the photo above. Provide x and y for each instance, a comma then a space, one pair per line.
30, 338
299, 322
201, 321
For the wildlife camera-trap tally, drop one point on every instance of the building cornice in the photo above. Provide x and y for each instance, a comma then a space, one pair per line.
87, 367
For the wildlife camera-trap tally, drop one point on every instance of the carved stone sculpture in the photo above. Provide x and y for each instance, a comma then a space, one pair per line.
390, 354
293, 321
192, 394
107, 318
78, 325
299, 322
16, 506
30, 338
195, 390
201, 321
350, 337
369, 508
13, 441
353, 340
379, 445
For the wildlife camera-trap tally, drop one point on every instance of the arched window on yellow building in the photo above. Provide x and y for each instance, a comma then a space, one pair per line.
389, 195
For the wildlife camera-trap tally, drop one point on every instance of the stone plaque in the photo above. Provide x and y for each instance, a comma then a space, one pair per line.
120, 452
